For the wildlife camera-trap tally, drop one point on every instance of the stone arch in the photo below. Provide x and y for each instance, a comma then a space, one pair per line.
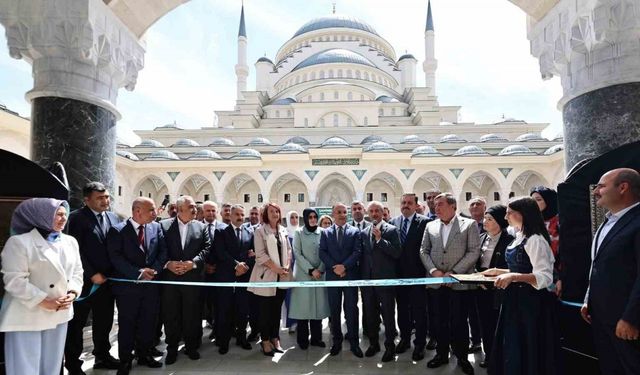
428, 181
525, 181
243, 189
197, 186
483, 184
334, 188
154, 187
290, 192
386, 188
329, 119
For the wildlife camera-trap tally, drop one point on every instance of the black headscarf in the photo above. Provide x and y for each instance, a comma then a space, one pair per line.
550, 197
305, 218
498, 212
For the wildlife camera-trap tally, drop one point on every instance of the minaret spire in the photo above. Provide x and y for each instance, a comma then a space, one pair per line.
430, 63
242, 69
429, 25
242, 30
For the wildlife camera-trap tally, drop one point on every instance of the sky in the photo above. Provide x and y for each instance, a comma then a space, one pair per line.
484, 64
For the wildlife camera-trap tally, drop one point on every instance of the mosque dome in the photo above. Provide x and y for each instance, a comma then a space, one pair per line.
284, 101
530, 137
516, 150
291, 148
424, 151
247, 153
371, 139
128, 155
470, 151
259, 142
150, 143
205, 155
553, 149
335, 21
386, 99
171, 126
221, 142
334, 142
379, 146
492, 138
407, 56
162, 155
299, 140
335, 55
413, 139
451, 138
184, 142
264, 59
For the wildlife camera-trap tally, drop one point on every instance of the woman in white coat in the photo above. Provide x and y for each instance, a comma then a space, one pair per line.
42, 274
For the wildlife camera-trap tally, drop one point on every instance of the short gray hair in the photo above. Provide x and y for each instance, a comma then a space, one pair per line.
631, 177
451, 200
180, 201
479, 199
375, 203
237, 206
210, 203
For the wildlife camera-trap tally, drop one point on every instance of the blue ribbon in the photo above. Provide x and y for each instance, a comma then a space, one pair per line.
572, 304
94, 287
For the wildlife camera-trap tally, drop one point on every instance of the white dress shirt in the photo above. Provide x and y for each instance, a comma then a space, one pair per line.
612, 219
445, 229
541, 257
182, 227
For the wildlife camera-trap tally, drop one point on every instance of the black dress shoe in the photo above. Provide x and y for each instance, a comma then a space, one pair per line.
403, 346
253, 336
76, 371
212, 335
475, 348
319, 344
335, 349
418, 354
389, 355
437, 361
372, 350
172, 357
303, 345
223, 349
355, 349
124, 368
107, 362
432, 344
465, 366
243, 343
193, 354
149, 361
155, 352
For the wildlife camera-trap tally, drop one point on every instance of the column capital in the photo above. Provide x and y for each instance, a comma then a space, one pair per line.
588, 44
78, 49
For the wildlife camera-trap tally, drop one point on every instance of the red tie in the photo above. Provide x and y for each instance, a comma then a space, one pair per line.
141, 236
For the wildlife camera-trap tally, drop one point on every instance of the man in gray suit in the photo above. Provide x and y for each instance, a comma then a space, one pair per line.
450, 245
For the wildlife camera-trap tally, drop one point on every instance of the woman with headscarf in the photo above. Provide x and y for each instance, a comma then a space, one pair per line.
308, 305
547, 200
293, 223
42, 274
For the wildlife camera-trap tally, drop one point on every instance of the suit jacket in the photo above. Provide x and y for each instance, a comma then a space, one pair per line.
84, 227
228, 252
614, 286
196, 247
127, 257
460, 254
32, 271
331, 253
364, 222
379, 259
266, 247
410, 265
497, 258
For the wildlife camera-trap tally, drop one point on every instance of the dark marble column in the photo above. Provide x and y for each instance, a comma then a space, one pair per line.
601, 120
80, 135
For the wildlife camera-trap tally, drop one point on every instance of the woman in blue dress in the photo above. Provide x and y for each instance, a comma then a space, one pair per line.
527, 338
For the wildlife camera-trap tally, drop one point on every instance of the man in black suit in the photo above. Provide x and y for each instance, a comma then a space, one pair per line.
340, 249
357, 214
233, 253
138, 252
210, 211
188, 246
411, 299
89, 226
380, 253
612, 303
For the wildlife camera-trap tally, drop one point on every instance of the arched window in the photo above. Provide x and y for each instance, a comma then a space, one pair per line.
380, 112
313, 75
366, 76
349, 74
321, 96
336, 95
358, 74
362, 98
339, 73
322, 122
322, 74
348, 121
309, 99
288, 113
336, 119
331, 73
306, 122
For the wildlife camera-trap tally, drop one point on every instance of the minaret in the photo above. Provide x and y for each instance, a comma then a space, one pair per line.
242, 69
430, 63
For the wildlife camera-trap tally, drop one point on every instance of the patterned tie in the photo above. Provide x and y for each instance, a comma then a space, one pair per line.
141, 237
403, 231
101, 222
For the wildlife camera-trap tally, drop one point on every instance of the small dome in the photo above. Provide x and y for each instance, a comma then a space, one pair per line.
407, 56
259, 142
335, 55
128, 155
413, 139
247, 153
509, 120
370, 139
559, 138
284, 101
530, 137
335, 21
184, 142
265, 59
221, 142
162, 155
291, 148
470, 151
423, 151
553, 149
150, 143
334, 142
172, 126
386, 99
205, 155
492, 138
451, 138
516, 150
299, 140
379, 147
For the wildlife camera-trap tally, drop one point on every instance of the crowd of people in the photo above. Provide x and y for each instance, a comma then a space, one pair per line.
513, 321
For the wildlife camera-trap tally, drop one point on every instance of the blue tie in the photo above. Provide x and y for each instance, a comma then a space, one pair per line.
403, 231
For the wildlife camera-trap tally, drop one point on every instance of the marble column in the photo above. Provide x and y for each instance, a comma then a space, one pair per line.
81, 55
594, 47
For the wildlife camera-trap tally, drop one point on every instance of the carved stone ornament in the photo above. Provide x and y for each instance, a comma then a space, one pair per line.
78, 48
589, 44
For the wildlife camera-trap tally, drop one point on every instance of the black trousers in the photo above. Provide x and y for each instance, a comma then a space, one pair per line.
412, 313
616, 356
489, 312
452, 328
269, 318
380, 300
101, 305
474, 320
254, 313
432, 313
232, 314
302, 331
137, 319
350, 313
182, 315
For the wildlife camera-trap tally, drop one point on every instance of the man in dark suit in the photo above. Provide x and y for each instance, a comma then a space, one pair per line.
380, 253
188, 246
412, 299
358, 212
89, 226
210, 211
340, 250
430, 197
233, 253
138, 252
612, 303
477, 207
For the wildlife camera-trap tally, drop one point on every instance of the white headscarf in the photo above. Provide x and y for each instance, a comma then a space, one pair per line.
291, 229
